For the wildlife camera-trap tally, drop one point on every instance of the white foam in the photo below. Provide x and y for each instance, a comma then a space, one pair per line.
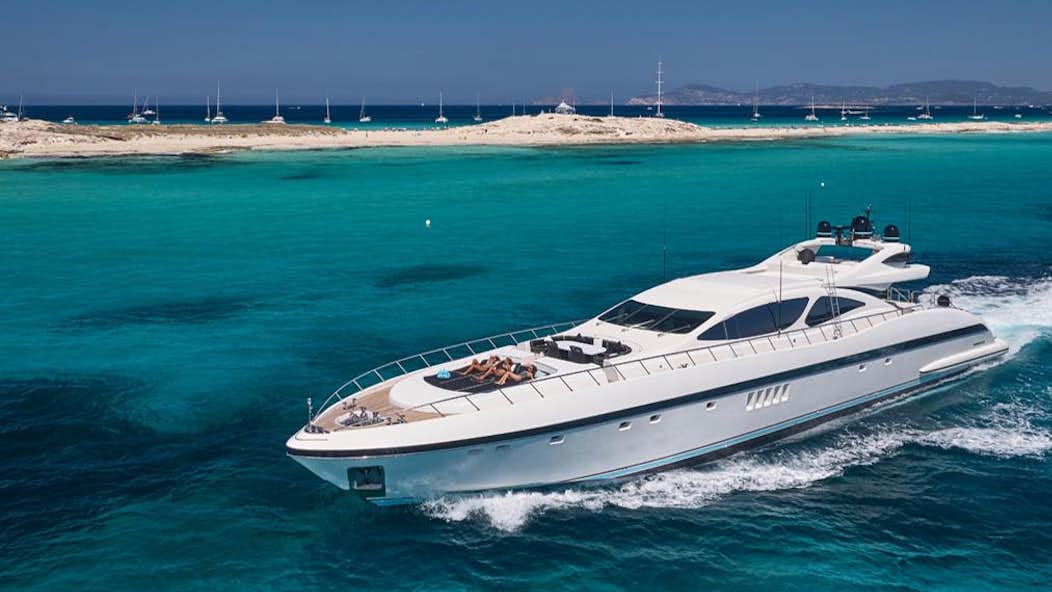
1017, 310
764, 470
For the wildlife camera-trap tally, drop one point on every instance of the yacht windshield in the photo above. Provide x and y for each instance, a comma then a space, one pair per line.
637, 315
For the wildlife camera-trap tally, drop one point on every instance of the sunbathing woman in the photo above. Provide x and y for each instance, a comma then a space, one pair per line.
477, 366
527, 373
497, 370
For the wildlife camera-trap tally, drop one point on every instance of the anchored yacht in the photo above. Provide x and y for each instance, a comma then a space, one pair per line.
688, 371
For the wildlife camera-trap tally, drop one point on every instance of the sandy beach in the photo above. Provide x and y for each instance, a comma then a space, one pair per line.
35, 138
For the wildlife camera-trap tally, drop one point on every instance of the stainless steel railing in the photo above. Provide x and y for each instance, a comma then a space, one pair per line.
594, 377
437, 356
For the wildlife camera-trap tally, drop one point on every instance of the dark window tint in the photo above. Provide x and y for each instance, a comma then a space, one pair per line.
757, 321
682, 321
822, 311
655, 318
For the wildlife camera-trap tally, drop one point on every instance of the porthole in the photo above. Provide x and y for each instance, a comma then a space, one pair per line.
556, 440
887, 361
625, 425
655, 418
861, 367
710, 405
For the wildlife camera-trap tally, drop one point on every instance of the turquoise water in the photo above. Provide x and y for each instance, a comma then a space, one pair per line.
163, 320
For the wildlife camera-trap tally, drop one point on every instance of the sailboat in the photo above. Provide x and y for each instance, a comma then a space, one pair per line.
208, 110
756, 104
277, 119
156, 112
328, 117
362, 117
478, 110
865, 116
441, 118
658, 113
135, 116
975, 112
811, 116
146, 107
926, 115
843, 111
219, 117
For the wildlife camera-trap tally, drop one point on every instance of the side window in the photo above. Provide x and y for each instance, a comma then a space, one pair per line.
759, 320
822, 311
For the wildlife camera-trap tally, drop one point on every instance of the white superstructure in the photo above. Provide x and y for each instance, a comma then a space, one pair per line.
687, 371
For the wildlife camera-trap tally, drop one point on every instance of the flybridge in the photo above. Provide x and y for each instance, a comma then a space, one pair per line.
887, 259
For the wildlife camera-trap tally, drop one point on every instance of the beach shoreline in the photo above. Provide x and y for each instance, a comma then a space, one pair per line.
41, 139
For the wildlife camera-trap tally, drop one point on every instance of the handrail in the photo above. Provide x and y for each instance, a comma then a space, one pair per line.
400, 365
710, 349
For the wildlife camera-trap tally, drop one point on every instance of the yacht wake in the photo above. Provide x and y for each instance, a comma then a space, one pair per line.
1017, 309
775, 470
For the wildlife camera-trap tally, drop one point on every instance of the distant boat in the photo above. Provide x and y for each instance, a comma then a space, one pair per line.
146, 107
926, 115
69, 121
441, 118
756, 104
1018, 116
843, 111
219, 117
277, 119
865, 115
328, 117
362, 117
7, 116
208, 110
156, 112
976, 116
478, 110
135, 116
812, 116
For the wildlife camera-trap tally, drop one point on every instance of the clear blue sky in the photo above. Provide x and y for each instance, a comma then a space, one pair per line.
99, 51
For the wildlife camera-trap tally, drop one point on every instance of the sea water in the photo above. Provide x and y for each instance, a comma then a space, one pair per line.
162, 321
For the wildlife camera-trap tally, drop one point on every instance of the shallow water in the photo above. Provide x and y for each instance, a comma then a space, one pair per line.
163, 320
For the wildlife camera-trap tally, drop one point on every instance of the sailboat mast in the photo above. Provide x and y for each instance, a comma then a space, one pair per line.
277, 107
611, 103
218, 110
659, 81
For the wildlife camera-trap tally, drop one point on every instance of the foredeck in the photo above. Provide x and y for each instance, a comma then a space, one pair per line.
376, 404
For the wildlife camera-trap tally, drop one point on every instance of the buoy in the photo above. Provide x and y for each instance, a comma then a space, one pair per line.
427, 223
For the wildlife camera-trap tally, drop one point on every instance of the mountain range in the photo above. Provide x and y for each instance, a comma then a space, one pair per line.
943, 92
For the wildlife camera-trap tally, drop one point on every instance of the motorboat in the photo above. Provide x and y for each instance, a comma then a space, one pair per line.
69, 121
688, 371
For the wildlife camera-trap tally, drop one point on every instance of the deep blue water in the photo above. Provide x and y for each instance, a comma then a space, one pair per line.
163, 319
415, 116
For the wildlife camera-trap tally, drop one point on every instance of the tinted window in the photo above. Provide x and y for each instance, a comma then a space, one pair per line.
822, 312
760, 320
682, 321
655, 318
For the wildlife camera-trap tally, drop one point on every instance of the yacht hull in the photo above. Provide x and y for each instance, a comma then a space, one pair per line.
689, 427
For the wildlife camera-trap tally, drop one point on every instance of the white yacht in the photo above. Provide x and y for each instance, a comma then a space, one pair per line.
362, 117
328, 116
812, 116
277, 119
926, 114
976, 116
756, 104
208, 109
478, 110
688, 371
69, 121
441, 117
7, 116
219, 117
